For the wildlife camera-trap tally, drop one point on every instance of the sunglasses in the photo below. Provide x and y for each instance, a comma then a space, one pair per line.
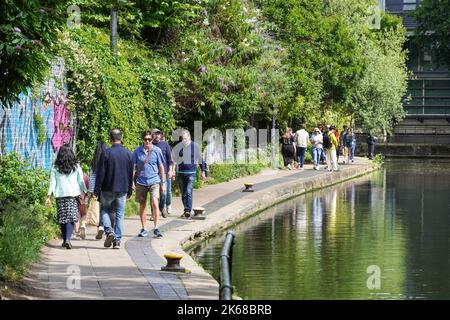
148, 139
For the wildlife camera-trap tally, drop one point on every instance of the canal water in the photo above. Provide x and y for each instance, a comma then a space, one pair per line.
382, 236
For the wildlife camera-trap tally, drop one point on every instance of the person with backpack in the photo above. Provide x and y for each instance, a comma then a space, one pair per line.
330, 144
66, 185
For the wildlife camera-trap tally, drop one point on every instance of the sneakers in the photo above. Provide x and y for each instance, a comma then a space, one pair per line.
77, 236
186, 214
163, 213
83, 232
116, 245
169, 209
68, 245
100, 232
109, 239
157, 233
143, 233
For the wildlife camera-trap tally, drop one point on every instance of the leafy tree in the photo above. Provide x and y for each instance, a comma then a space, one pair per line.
27, 31
433, 28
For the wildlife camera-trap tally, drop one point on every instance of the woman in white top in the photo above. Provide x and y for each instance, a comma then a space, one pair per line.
66, 185
316, 150
301, 142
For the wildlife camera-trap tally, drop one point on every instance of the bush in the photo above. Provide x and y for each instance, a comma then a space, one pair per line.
223, 172
25, 223
24, 230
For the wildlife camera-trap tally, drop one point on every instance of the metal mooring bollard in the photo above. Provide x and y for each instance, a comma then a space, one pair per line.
198, 213
248, 187
173, 262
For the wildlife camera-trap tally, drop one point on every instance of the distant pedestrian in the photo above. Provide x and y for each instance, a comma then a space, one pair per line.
350, 144
322, 156
113, 186
165, 201
187, 159
341, 144
80, 225
370, 145
330, 144
317, 147
66, 185
101, 147
149, 179
288, 148
301, 143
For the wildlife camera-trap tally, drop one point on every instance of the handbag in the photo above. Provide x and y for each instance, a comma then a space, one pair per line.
93, 212
138, 172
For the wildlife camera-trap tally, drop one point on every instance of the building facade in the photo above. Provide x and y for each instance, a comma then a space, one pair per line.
428, 111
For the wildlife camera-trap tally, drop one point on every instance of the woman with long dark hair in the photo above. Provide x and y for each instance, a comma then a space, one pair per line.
66, 185
288, 148
101, 147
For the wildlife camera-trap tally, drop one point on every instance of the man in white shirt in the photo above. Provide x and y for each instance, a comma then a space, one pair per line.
301, 142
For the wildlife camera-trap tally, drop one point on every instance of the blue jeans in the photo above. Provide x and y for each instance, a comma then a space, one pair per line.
186, 186
316, 154
301, 156
110, 202
166, 198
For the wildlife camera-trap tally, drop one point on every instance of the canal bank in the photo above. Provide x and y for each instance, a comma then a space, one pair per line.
134, 271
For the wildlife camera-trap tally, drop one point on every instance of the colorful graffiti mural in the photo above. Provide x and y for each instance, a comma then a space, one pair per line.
18, 129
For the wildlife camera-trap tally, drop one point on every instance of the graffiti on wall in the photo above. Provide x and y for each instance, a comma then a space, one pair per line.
18, 129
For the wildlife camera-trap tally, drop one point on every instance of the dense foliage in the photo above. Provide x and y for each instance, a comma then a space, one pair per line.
27, 31
25, 223
433, 28
230, 63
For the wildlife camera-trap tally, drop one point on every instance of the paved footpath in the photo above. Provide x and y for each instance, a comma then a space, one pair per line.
134, 272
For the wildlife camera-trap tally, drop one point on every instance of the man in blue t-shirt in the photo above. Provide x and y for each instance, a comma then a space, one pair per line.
149, 170
188, 156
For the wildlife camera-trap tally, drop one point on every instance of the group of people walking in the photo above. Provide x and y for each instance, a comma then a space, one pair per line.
326, 142
115, 173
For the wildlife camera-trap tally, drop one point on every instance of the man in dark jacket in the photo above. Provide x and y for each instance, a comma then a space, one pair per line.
371, 145
165, 197
113, 186
188, 155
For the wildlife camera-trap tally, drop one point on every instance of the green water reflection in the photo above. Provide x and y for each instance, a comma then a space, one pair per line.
319, 246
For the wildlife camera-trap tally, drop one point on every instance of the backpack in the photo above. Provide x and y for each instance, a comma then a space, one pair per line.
326, 141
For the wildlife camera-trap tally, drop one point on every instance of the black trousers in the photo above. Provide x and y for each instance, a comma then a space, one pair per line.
371, 150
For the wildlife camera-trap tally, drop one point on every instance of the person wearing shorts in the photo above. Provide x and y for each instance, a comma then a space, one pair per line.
149, 178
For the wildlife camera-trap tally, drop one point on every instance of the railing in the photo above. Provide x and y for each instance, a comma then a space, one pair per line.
226, 290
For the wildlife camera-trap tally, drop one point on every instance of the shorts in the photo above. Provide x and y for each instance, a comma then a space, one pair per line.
142, 191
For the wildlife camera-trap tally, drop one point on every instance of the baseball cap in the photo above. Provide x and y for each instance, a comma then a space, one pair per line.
155, 131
